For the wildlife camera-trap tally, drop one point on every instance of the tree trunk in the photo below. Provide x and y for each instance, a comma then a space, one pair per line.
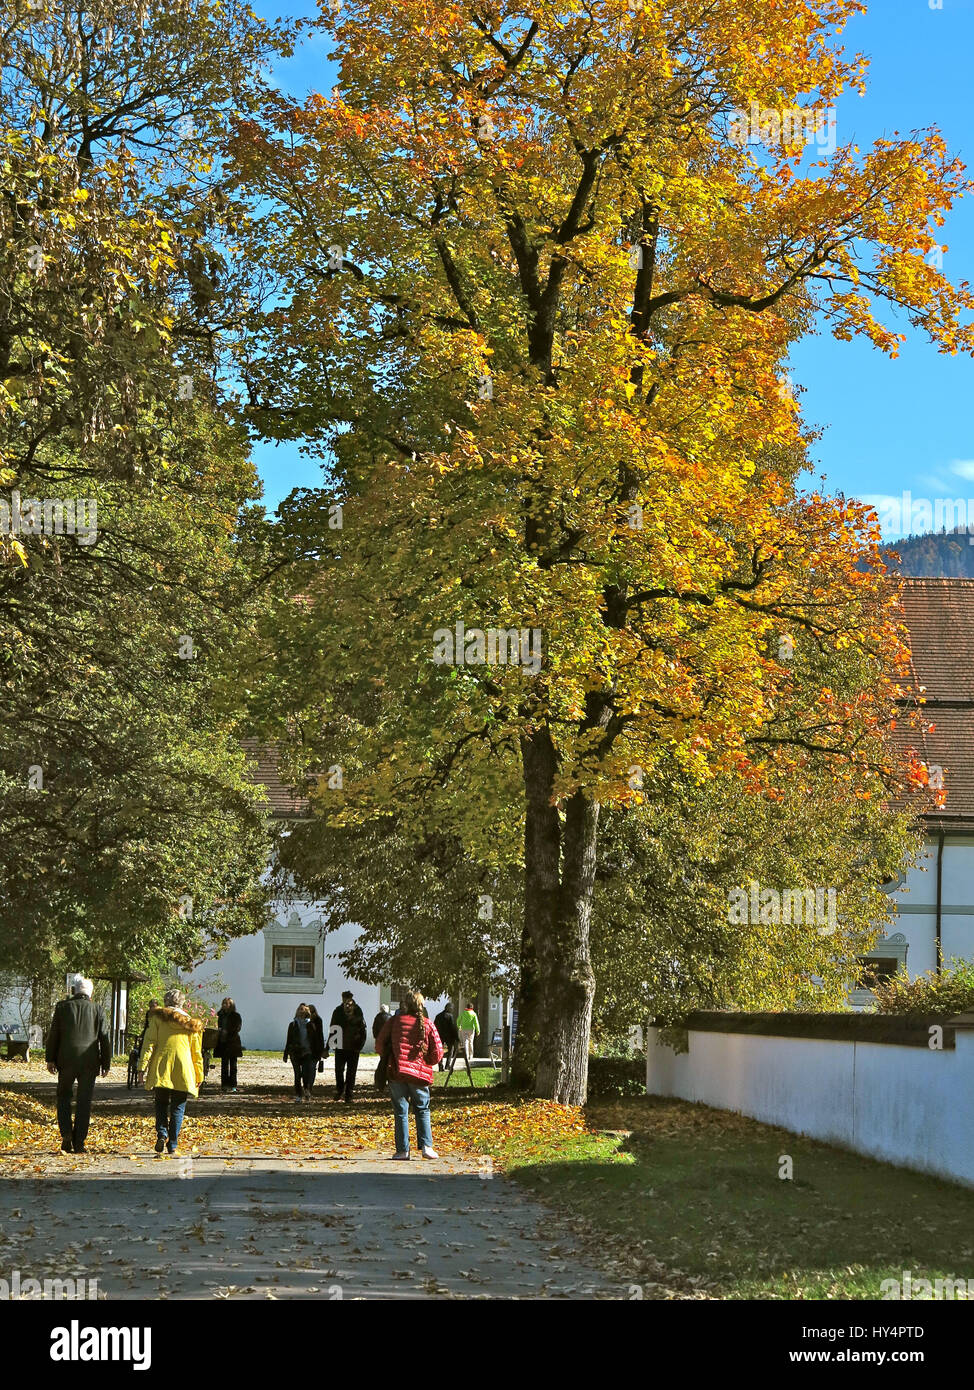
524, 1061
542, 855
559, 880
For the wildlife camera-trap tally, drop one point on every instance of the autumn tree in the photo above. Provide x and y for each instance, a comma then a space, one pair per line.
534, 292
128, 822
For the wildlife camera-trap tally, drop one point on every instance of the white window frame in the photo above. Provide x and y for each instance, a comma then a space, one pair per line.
293, 933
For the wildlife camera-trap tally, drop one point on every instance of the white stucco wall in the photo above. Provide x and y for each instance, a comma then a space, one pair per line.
910, 1106
916, 901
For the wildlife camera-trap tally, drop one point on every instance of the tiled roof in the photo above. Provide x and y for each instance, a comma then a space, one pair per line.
939, 616
283, 800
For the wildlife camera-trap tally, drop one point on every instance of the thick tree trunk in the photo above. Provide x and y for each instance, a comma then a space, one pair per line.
559, 880
524, 1063
542, 857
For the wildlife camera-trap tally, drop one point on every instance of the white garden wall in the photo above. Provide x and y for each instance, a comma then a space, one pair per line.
911, 1106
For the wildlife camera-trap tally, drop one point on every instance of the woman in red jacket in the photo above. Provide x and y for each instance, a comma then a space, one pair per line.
414, 1049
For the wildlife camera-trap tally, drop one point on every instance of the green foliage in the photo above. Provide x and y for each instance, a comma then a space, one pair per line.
129, 830
951, 992
662, 942
427, 912
618, 1047
612, 1077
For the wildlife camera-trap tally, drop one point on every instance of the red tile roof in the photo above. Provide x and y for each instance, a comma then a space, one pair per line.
283, 799
939, 616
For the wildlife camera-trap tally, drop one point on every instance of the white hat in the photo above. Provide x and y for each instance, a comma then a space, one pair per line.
79, 985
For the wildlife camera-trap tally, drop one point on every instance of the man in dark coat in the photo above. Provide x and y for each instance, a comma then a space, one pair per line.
446, 1025
78, 1044
347, 1035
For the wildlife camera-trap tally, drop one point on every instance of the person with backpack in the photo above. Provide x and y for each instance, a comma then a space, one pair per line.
446, 1026
414, 1047
78, 1045
229, 1046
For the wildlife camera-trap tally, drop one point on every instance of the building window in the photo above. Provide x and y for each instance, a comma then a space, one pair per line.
874, 970
294, 962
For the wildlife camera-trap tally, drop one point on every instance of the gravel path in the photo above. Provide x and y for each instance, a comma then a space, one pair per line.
315, 1212
255, 1227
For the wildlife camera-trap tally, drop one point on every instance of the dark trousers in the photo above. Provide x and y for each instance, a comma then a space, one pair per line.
170, 1109
228, 1071
346, 1065
304, 1072
75, 1134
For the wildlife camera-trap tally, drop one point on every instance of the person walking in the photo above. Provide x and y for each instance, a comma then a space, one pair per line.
415, 1049
229, 1047
347, 1035
136, 1053
469, 1025
301, 1048
380, 1021
382, 1065
78, 1044
446, 1026
320, 1045
173, 1067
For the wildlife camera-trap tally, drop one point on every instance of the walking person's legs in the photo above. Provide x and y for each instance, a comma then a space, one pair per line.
399, 1095
351, 1068
232, 1072
177, 1111
224, 1073
161, 1095
82, 1113
65, 1087
309, 1065
420, 1097
340, 1057
298, 1082
466, 1042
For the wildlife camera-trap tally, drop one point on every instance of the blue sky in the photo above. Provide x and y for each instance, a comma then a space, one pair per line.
889, 426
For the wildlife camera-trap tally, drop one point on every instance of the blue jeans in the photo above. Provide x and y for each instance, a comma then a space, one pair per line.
402, 1093
170, 1109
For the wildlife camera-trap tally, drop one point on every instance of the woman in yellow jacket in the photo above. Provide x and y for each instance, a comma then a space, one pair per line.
173, 1067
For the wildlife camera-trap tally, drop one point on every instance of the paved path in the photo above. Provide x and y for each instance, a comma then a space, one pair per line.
249, 1226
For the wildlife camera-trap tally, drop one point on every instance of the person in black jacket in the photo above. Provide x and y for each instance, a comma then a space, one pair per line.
380, 1021
77, 1044
135, 1056
228, 1047
347, 1036
318, 1024
446, 1025
302, 1048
